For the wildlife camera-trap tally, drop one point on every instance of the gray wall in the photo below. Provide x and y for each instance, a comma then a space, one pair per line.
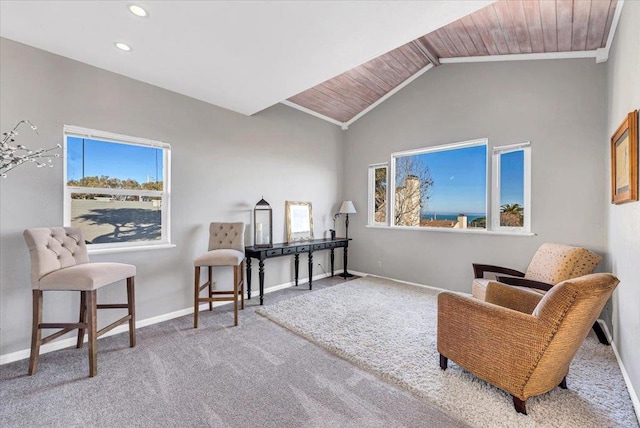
222, 164
623, 81
557, 105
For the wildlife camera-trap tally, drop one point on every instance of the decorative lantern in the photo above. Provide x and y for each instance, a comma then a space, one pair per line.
262, 224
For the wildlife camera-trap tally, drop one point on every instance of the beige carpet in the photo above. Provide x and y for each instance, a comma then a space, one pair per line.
390, 329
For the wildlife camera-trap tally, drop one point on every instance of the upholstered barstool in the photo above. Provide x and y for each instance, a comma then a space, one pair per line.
226, 248
59, 262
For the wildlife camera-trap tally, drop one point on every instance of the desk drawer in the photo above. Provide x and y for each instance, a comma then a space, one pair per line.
341, 244
302, 248
288, 250
318, 246
331, 244
272, 253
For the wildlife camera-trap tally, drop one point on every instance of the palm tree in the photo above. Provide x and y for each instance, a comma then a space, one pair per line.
512, 208
511, 215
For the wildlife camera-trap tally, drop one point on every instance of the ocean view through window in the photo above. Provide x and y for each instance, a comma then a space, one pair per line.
116, 188
443, 186
448, 187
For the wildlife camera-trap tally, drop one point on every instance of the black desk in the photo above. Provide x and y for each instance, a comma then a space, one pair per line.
295, 249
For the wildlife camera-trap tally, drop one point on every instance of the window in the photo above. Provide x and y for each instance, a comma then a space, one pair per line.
511, 195
448, 186
378, 193
444, 186
116, 188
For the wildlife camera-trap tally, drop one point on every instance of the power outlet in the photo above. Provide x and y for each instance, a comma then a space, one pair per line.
379, 264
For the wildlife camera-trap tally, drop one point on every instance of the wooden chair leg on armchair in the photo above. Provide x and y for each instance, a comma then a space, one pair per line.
520, 405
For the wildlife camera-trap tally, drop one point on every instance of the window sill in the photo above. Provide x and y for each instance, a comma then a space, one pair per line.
452, 230
94, 251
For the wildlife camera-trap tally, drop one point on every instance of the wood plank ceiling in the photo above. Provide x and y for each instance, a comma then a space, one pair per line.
506, 27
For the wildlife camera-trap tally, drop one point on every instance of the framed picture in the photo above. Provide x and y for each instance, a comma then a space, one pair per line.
624, 161
299, 221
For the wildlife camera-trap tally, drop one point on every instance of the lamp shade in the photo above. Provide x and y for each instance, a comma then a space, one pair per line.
347, 207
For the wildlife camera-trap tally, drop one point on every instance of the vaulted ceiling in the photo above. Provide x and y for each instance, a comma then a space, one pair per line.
341, 58
244, 56
506, 29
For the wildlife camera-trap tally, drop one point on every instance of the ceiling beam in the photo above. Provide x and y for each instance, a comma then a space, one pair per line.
424, 47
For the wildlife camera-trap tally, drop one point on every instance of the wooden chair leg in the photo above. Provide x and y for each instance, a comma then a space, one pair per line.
602, 337
520, 405
36, 332
235, 295
196, 293
443, 362
82, 318
92, 328
131, 307
242, 284
210, 269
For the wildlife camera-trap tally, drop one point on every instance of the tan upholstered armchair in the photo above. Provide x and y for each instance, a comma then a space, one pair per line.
551, 264
518, 340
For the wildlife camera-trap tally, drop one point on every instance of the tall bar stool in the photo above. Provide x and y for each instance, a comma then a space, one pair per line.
226, 248
59, 262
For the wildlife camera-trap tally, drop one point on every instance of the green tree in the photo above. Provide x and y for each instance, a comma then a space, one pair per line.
511, 215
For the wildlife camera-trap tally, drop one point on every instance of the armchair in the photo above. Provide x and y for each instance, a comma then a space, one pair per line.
551, 264
531, 356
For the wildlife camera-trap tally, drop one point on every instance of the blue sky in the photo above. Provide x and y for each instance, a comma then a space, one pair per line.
460, 178
512, 178
121, 161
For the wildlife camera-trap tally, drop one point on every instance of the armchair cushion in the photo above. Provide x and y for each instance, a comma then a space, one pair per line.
554, 263
520, 299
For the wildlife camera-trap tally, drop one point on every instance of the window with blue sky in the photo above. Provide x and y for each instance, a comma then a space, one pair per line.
447, 186
116, 188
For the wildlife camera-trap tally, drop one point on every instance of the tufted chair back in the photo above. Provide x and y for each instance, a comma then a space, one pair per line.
554, 263
54, 248
226, 236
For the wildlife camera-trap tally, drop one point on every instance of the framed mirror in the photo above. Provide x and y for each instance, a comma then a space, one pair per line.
299, 221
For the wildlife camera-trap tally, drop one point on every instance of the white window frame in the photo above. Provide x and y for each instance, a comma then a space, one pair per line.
445, 147
165, 194
525, 147
371, 197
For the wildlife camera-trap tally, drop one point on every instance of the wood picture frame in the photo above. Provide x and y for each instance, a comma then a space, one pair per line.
624, 161
299, 221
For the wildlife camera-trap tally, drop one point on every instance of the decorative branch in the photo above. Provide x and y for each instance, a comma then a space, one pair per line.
12, 156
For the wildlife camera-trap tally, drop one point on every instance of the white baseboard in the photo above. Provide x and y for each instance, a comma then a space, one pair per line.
71, 341
625, 375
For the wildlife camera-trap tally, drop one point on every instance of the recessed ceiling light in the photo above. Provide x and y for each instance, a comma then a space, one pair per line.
137, 10
123, 46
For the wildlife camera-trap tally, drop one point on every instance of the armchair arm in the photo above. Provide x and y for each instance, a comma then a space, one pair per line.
497, 344
523, 282
514, 298
479, 270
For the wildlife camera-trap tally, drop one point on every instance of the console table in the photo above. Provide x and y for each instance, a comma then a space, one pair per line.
295, 249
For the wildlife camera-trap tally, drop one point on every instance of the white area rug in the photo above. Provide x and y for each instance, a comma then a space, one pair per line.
389, 328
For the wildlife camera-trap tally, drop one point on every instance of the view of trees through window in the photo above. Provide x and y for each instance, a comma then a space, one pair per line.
380, 194
116, 190
512, 189
442, 187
